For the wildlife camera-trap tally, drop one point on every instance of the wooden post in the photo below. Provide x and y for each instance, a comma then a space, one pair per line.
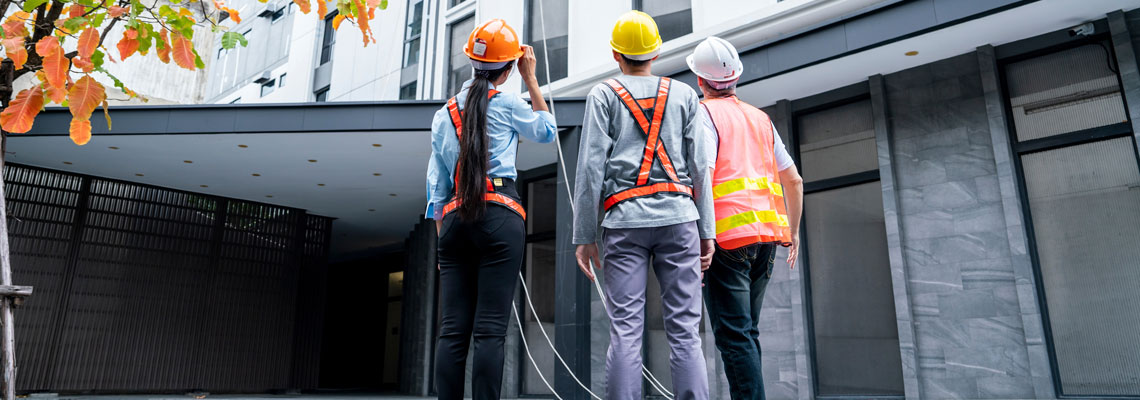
8, 336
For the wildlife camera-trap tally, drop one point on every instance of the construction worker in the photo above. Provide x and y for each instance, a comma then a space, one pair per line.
753, 178
473, 199
642, 158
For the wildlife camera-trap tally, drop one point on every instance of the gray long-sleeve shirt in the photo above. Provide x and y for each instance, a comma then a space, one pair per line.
610, 155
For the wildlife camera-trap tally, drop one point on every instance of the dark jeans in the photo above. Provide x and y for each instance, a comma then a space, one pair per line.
479, 265
734, 292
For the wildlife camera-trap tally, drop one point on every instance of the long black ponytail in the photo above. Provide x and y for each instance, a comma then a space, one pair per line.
473, 153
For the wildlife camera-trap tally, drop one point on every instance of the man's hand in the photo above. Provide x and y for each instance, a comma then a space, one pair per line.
794, 251
708, 247
585, 253
527, 64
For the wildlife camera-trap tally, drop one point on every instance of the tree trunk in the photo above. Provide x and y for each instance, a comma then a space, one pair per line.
8, 336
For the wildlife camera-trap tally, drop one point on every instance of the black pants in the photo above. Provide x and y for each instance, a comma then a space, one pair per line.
479, 264
734, 292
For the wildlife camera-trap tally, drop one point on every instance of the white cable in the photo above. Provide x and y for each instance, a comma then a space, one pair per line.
529, 303
522, 336
569, 192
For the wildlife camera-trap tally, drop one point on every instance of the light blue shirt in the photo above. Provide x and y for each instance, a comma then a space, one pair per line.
508, 117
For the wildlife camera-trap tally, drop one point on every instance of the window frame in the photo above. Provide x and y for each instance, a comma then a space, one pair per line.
408, 39
271, 85
525, 178
327, 46
1071, 139
828, 100
322, 91
450, 28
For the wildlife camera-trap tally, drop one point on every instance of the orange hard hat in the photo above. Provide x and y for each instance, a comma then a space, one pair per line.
492, 42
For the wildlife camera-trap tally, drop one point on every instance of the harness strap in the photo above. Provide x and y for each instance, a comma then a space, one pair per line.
457, 120
651, 127
647, 190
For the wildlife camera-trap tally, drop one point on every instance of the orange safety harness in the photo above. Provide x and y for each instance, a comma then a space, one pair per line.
654, 148
491, 196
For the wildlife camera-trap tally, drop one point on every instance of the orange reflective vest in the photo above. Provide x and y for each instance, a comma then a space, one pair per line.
654, 148
491, 196
747, 195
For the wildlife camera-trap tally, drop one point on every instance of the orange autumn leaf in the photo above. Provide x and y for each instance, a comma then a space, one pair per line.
54, 64
337, 20
116, 11
106, 115
14, 47
182, 51
88, 41
304, 5
80, 131
322, 9
84, 96
84, 64
233, 14
362, 20
55, 95
14, 25
76, 10
128, 44
22, 111
164, 48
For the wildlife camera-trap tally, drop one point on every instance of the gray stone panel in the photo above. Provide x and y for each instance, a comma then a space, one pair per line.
961, 280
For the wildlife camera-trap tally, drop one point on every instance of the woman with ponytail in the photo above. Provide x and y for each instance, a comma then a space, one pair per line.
473, 199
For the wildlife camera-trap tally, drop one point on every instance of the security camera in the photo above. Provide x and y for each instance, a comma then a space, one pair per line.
1085, 29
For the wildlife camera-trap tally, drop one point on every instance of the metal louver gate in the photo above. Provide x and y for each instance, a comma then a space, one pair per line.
147, 289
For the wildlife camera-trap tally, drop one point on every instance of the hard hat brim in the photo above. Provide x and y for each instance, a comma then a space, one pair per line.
643, 56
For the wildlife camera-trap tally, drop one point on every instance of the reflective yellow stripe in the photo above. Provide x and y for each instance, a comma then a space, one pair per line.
750, 217
737, 185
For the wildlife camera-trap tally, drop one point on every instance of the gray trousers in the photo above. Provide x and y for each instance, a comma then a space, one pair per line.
674, 252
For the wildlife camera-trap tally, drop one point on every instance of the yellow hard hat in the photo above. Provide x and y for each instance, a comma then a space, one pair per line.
635, 35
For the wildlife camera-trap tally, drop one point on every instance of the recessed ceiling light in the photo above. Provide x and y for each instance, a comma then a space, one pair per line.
320, 184
67, 163
256, 174
371, 209
269, 196
242, 146
376, 174
203, 185
911, 53
138, 174
392, 194
188, 161
377, 145
312, 160
113, 148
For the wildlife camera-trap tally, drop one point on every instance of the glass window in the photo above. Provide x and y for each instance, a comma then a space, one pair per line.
281, 80
854, 330
322, 95
408, 92
459, 66
453, 3
837, 141
268, 87
852, 303
554, 13
328, 39
540, 256
1083, 196
412, 33
674, 17
1063, 92
278, 14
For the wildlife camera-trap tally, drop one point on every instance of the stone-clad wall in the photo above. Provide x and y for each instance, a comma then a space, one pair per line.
969, 336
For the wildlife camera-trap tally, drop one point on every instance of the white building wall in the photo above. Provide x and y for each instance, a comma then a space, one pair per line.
372, 73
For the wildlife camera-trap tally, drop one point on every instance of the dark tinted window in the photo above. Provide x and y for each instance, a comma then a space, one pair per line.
550, 42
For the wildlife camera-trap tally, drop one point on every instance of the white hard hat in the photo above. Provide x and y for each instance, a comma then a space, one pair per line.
715, 59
